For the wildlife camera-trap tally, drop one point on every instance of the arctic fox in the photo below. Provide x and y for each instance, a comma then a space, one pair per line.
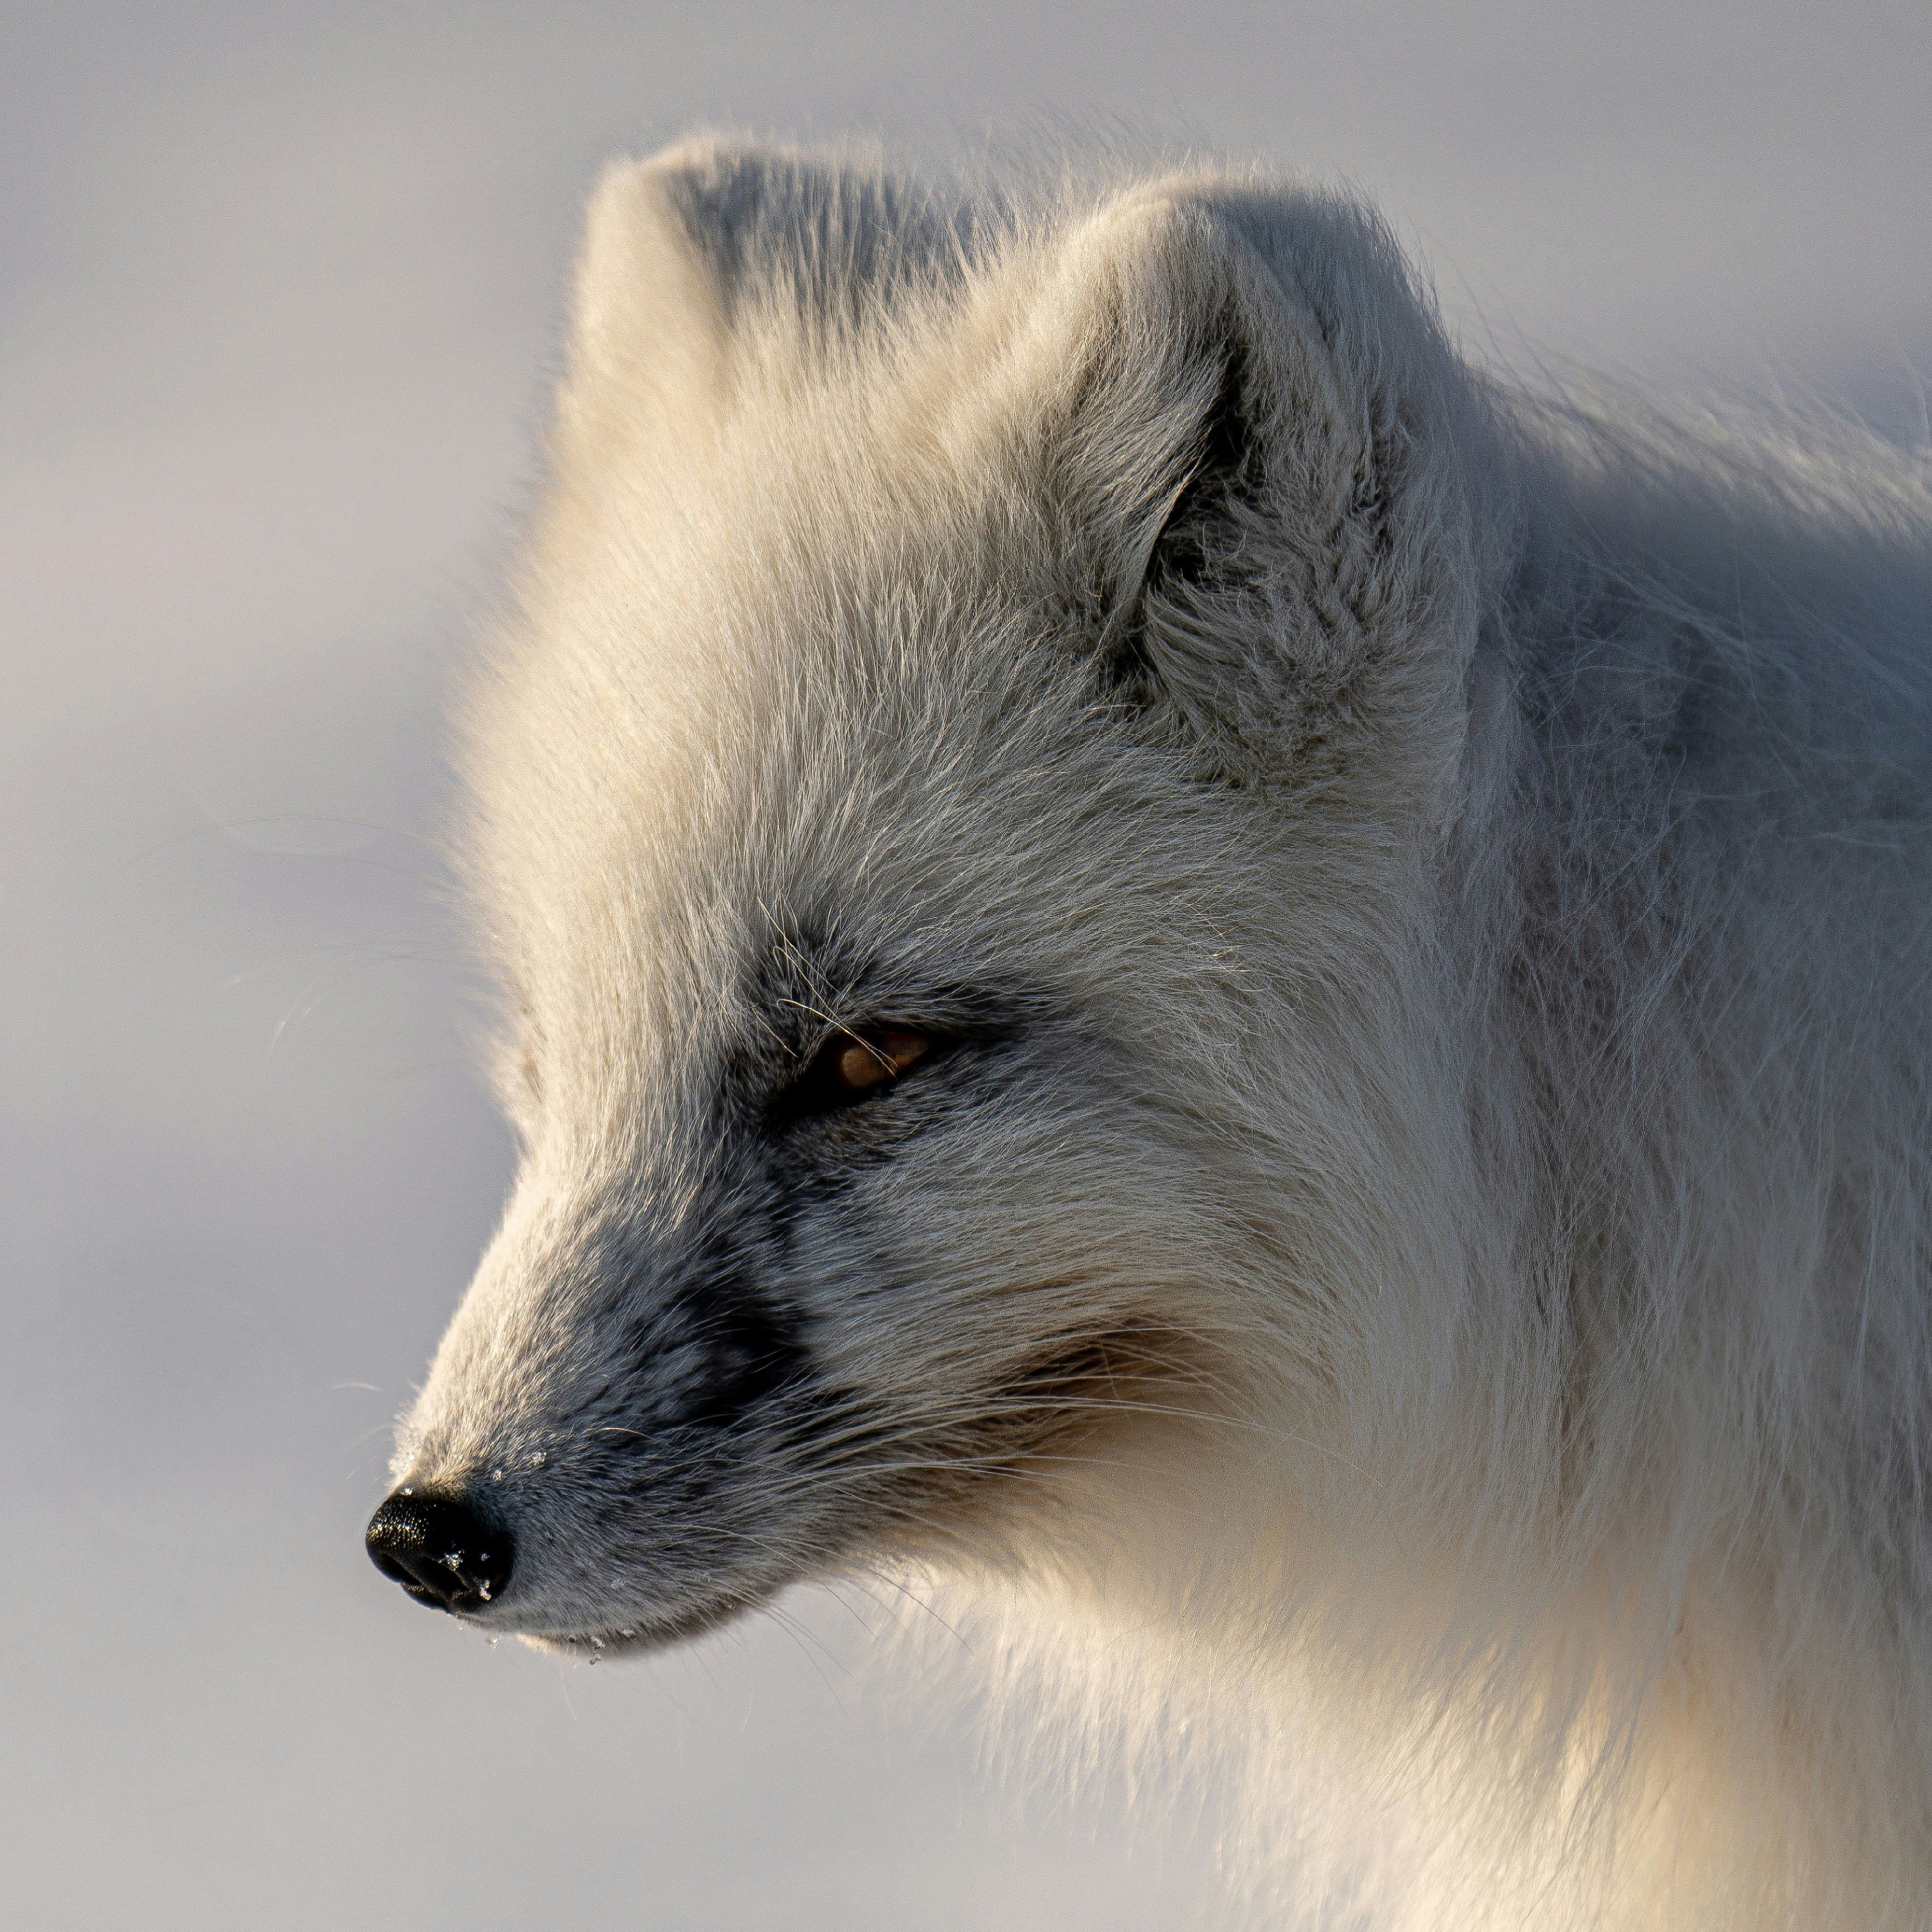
1169, 954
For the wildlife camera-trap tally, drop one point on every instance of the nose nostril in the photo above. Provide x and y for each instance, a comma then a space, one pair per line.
440, 1550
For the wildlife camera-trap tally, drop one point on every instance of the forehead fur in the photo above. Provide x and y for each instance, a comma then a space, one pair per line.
790, 648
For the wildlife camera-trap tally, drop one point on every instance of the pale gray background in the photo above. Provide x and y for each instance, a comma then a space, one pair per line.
280, 285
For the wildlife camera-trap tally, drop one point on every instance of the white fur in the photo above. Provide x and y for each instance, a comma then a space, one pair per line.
1425, 1284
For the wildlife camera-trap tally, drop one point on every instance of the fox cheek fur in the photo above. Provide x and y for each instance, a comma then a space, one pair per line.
1173, 955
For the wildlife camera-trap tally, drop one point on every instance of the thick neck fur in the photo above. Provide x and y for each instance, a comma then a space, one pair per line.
1614, 1605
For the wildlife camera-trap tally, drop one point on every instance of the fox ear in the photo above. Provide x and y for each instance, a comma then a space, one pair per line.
1249, 445
648, 310
712, 256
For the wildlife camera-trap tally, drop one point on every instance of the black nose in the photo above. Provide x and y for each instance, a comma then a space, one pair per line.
439, 1549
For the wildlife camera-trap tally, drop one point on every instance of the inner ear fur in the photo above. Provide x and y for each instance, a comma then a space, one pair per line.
1249, 443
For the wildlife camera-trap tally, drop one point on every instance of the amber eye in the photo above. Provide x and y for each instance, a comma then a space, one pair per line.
866, 1060
854, 1064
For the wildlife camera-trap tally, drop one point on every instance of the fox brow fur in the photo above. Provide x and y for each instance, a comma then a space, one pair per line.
1519, 1491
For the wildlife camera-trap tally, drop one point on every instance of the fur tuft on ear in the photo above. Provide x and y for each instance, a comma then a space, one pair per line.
646, 354
1256, 444
714, 259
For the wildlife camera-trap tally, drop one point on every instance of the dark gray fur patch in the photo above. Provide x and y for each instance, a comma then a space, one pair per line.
741, 1349
716, 1366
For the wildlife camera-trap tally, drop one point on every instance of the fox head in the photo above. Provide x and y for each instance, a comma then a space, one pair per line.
953, 812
